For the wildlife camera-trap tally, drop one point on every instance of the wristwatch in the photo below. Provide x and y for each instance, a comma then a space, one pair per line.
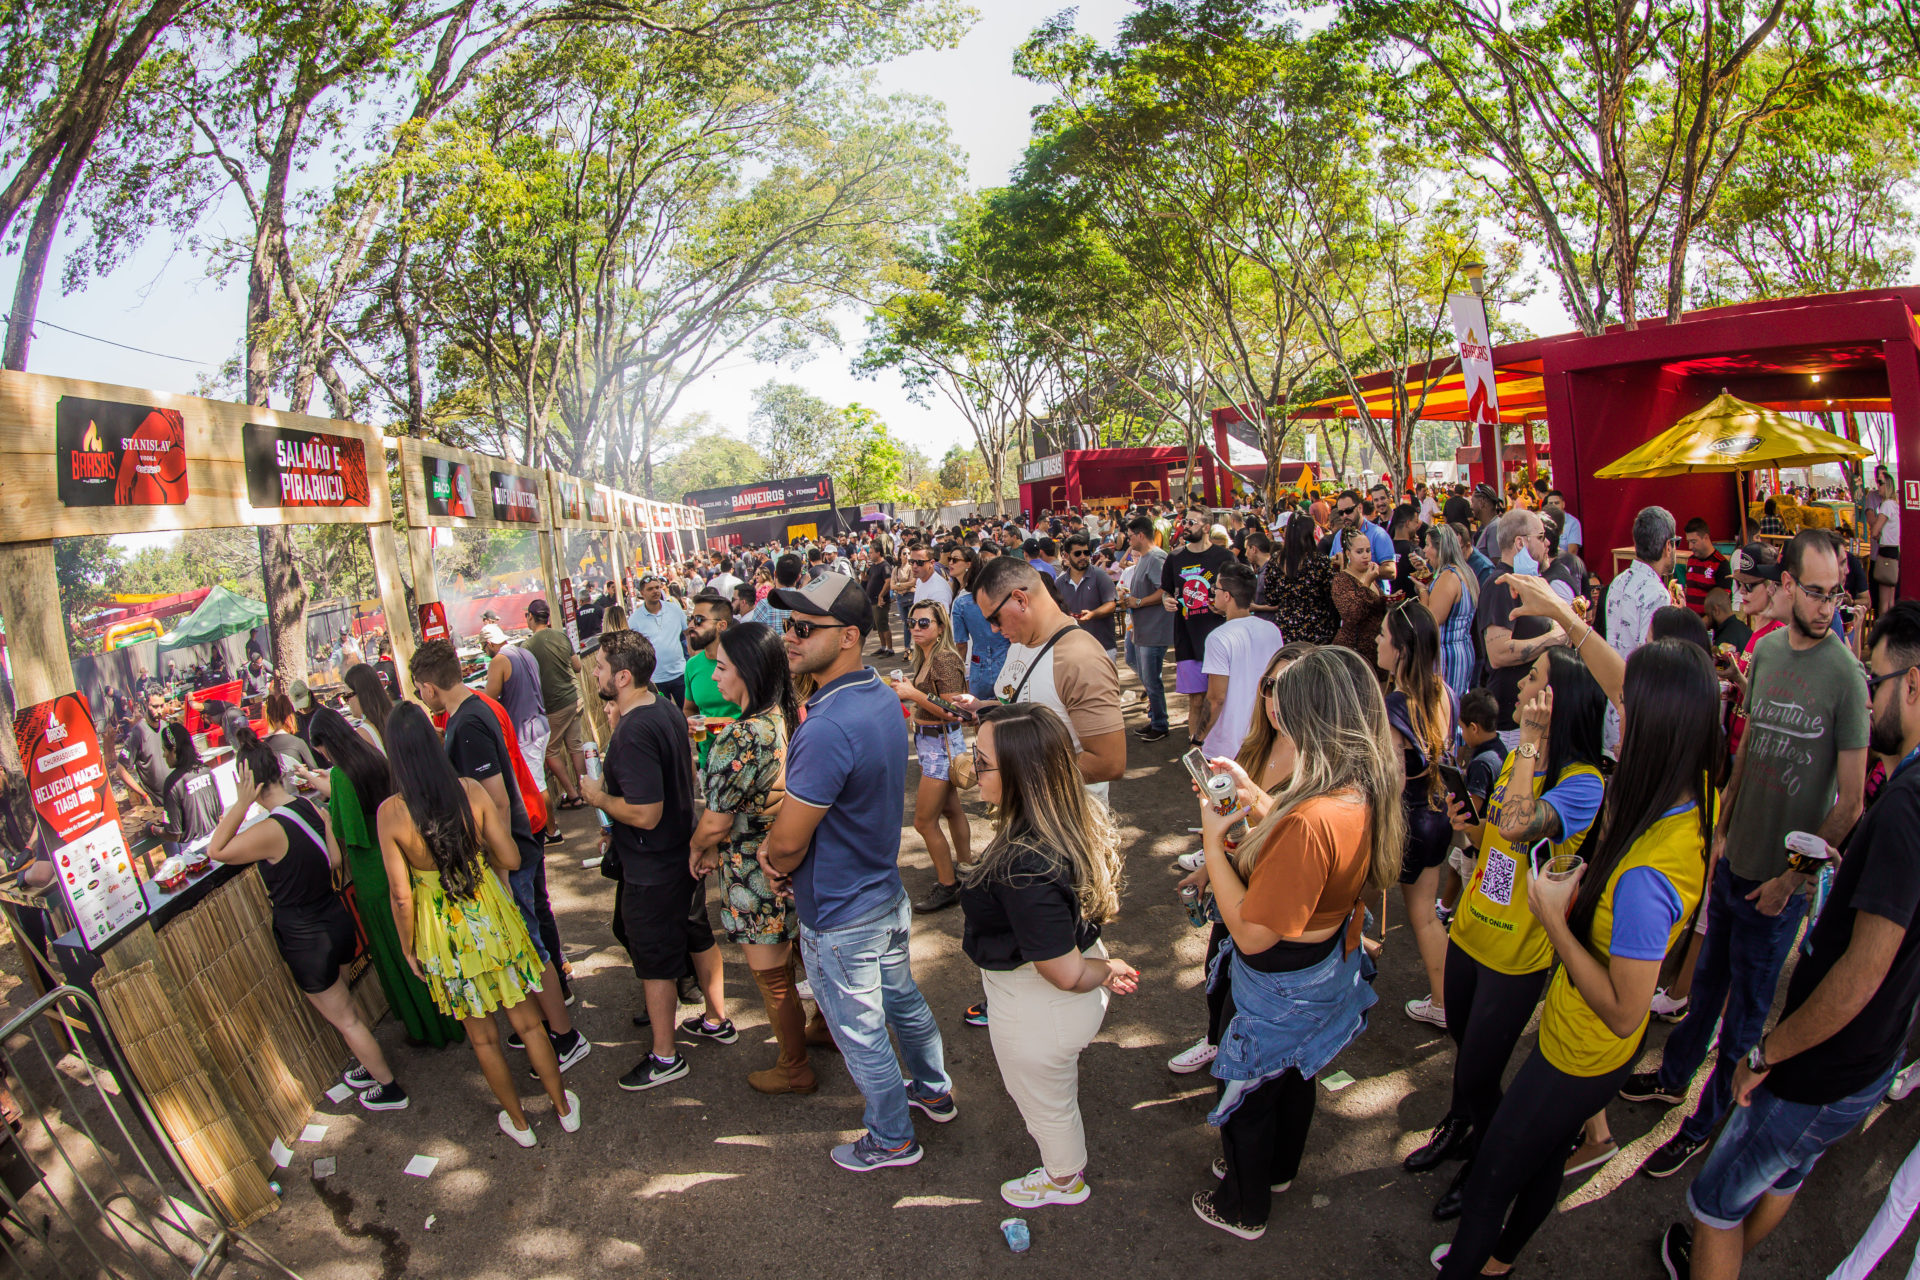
1527, 750
1757, 1059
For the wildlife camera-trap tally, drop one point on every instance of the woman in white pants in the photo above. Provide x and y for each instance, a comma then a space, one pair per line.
1903, 1197
1034, 903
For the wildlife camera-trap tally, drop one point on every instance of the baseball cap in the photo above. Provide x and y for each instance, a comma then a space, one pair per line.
492, 634
300, 696
831, 595
1757, 560
537, 609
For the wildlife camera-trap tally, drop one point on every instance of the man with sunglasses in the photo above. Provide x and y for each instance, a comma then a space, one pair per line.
1087, 593
931, 586
1187, 581
1350, 511
837, 839
1801, 767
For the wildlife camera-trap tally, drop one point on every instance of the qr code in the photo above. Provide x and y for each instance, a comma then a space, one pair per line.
1496, 882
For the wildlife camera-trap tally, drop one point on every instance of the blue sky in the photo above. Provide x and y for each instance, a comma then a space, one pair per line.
162, 301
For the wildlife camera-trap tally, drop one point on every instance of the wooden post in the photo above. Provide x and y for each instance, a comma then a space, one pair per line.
385, 550
420, 553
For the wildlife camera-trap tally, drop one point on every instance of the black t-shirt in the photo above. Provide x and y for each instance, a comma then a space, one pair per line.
1733, 631
1029, 912
649, 761
1189, 577
193, 802
875, 580
1496, 609
1880, 873
389, 675
1402, 583
478, 750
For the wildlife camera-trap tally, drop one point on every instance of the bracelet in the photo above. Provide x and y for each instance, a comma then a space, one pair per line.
1584, 638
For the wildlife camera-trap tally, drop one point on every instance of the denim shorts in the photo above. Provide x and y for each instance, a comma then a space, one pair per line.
932, 748
1769, 1147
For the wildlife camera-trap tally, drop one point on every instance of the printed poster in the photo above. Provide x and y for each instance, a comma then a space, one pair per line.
449, 486
433, 622
110, 454
291, 468
516, 498
1476, 358
570, 613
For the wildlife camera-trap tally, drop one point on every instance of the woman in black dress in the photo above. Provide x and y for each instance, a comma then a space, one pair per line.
311, 925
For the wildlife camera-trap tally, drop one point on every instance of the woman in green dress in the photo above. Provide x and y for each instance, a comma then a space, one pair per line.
354, 787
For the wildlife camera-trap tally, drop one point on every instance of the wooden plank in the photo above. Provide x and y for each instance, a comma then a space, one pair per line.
393, 594
420, 552
36, 634
30, 508
413, 483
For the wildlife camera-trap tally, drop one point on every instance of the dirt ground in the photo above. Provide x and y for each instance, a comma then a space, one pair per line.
706, 1178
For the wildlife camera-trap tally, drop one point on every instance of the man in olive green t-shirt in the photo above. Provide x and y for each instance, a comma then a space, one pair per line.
566, 756
711, 615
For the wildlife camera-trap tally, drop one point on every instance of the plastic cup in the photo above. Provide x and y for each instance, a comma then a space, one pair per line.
1561, 866
698, 726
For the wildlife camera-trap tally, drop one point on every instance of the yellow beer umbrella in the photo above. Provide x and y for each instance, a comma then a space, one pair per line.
1730, 434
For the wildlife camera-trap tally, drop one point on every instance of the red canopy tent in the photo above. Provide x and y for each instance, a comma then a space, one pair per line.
1078, 476
1602, 396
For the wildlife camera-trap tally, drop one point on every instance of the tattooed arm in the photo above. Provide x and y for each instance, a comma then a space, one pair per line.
1525, 817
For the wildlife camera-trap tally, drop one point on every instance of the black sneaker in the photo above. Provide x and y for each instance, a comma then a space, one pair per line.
1644, 1086
385, 1097
554, 837
643, 1019
939, 1110
976, 1015
567, 1050
699, 1026
358, 1077
938, 898
689, 991
1149, 735
1676, 1251
514, 1041
650, 1072
1671, 1157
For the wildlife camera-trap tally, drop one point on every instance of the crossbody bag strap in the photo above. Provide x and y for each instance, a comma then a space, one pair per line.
1032, 666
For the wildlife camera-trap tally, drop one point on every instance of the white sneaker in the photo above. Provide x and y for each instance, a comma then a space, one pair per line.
571, 1121
522, 1136
1037, 1189
1904, 1082
1195, 1059
1666, 1008
803, 989
1191, 861
1428, 1012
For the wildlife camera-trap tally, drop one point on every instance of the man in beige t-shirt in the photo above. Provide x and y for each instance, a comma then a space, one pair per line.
1072, 674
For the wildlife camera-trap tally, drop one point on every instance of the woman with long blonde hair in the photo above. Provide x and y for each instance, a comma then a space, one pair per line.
1034, 904
938, 672
1451, 597
1291, 894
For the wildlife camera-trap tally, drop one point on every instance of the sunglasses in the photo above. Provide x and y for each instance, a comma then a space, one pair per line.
1874, 682
920, 561
1344, 511
923, 624
803, 629
993, 619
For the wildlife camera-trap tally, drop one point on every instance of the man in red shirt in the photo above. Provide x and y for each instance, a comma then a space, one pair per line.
1706, 567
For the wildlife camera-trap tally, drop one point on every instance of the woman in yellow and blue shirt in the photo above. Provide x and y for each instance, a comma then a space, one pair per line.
1611, 925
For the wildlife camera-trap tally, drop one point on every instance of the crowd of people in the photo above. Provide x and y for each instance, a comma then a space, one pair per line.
1602, 806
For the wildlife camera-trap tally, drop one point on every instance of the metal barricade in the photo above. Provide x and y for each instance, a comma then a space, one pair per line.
79, 1195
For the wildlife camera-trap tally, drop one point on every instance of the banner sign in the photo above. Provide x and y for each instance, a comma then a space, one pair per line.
67, 782
801, 493
288, 468
110, 454
1476, 358
1051, 467
569, 613
569, 491
516, 498
597, 508
433, 622
660, 515
449, 488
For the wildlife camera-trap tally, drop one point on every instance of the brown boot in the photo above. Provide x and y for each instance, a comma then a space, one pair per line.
819, 1035
791, 1074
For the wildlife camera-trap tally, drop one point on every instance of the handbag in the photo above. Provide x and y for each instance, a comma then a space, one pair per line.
960, 770
1886, 571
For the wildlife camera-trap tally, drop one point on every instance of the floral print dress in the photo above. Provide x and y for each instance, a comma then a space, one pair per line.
746, 768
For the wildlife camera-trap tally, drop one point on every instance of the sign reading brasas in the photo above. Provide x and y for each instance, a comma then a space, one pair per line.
110, 454
288, 468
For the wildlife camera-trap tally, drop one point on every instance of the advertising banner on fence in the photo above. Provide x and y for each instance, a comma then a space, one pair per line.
67, 782
449, 488
569, 613
433, 622
515, 497
287, 468
110, 454
1476, 357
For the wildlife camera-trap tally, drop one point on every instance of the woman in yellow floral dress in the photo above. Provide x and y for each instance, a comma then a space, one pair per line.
745, 780
446, 850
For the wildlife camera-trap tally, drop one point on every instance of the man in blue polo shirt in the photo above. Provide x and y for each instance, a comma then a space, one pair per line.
837, 840
1351, 511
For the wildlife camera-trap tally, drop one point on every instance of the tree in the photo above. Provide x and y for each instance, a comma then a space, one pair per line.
796, 431
1611, 127
869, 465
710, 462
83, 567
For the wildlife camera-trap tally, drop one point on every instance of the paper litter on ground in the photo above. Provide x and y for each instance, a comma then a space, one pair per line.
421, 1166
1337, 1081
590, 863
324, 1167
313, 1133
281, 1155
339, 1093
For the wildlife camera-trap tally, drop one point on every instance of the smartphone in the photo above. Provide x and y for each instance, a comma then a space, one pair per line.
1196, 761
1456, 784
1539, 851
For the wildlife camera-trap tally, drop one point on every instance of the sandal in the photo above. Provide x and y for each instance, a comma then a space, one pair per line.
573, 802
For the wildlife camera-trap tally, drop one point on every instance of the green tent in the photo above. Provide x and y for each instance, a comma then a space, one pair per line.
220, 615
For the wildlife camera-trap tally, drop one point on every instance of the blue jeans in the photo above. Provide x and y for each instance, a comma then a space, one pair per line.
1769, 1147
1147, 660
1739, 966
863, 984
529, 888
